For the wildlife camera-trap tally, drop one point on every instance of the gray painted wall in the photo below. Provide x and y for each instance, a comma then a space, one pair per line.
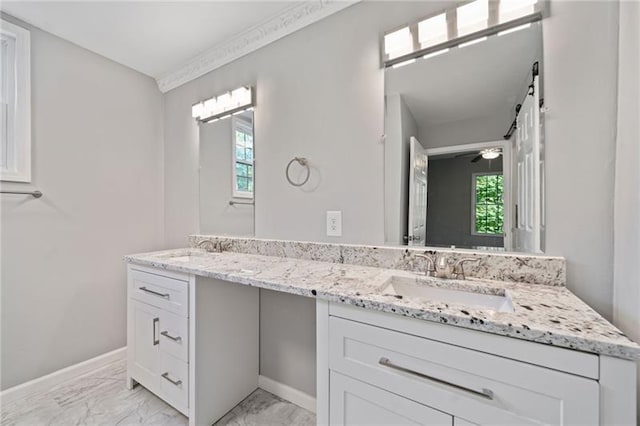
97, 157
216, 215
335, 99
400, 127
626, 292
449, 198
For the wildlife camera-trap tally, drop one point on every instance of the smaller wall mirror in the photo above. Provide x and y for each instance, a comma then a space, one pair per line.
461, 170
227, 178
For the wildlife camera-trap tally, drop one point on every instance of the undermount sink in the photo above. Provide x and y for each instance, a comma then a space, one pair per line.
419, 289
186, 256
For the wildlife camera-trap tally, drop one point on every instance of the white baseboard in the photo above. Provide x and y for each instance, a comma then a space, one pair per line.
44, 383
287, 392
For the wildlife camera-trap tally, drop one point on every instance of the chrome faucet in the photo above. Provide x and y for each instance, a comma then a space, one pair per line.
210, 246
443, 269
458, 268
430, 269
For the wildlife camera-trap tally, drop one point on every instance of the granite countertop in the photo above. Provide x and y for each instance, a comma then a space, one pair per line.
544, 314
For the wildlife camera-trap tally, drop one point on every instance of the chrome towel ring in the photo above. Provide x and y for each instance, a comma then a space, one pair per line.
304, 163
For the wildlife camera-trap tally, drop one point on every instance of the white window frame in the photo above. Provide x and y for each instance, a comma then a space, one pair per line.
241, 124
473, 203
18, 112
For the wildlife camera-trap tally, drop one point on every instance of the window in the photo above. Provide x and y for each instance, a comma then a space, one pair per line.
15, 101
488, 204
242, 158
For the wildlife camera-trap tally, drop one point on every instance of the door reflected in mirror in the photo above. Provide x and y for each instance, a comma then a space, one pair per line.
227, 178
464, 146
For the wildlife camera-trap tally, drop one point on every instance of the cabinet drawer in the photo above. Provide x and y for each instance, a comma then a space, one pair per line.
174, 335
174, 382
356, 403
469, 384
166, 293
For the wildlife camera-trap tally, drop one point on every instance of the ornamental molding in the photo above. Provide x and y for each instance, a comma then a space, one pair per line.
290, 20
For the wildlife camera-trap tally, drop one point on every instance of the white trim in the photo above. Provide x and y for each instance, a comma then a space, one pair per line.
322, 362
506, 172
292, 19
288, 393
44, 383
20, 139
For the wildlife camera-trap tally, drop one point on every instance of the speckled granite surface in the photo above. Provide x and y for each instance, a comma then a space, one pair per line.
544, 314
526, 268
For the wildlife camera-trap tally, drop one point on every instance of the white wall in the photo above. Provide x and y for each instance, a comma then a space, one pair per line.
580, 73
320, 95
626, 290
97, 157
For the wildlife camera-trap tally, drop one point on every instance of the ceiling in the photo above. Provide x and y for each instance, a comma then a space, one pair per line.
472, 82
153, 37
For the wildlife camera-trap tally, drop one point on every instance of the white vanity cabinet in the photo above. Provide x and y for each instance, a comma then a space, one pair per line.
201, 377
378, 368
157, 335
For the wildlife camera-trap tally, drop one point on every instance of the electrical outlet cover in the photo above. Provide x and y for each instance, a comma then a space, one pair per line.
334, 223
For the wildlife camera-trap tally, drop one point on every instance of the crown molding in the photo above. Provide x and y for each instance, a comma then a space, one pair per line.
290, 20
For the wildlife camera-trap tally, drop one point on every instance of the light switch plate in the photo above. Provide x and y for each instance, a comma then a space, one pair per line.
334, 223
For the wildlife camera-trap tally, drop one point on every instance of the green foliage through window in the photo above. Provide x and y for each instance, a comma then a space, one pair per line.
244, 159
489, 205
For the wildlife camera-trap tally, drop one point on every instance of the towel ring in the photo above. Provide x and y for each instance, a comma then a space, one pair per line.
304, 163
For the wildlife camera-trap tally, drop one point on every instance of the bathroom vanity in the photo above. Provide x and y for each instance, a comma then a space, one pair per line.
393, 346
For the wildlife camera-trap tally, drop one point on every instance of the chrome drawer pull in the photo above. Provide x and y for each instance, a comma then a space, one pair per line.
166, 376
484, 393
156, 320
174, 338
165, 295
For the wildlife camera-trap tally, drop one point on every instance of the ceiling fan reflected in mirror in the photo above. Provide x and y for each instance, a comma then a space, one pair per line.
487, 154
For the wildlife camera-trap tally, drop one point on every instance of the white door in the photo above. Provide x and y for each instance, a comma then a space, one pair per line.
417, 223
356, 403
526, 232
145, 356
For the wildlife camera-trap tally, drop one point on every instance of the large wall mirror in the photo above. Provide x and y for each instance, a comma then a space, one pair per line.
464, 155
227, 175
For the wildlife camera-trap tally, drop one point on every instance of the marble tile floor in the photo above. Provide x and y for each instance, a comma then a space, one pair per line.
101, 398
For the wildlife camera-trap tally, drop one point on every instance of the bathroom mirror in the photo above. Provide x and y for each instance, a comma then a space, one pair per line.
462, 168
227, 175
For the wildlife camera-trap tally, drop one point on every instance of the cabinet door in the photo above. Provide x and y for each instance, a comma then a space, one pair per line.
356, 403
144, 343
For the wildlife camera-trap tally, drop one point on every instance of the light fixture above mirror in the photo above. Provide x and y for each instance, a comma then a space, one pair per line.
464, 25
224, 105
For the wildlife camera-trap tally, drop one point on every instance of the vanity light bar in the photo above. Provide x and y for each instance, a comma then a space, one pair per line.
458, 26
224, 105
